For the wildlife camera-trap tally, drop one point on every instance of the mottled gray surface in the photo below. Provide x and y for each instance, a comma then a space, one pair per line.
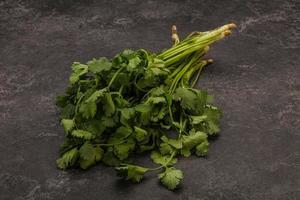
255, 79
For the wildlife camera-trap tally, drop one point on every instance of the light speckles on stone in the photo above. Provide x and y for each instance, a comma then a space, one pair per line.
123, 21
284, 22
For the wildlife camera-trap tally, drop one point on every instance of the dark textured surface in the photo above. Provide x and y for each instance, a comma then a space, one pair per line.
255, 80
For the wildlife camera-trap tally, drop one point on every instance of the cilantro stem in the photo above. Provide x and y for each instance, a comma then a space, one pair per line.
113, 144
114, 77
170, 113
194, 43
179, 75
78, 103
156, 168
199, 71
121, 89
171, 157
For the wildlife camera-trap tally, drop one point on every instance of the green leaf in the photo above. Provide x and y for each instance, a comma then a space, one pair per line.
122, 150
177, 144
162, 160
108, 121
89, 155
133, 63
126, 115
94, 126
140, 134
157, 63
171, 177
159, 91
143, 108
127, 52
198, 119
88, 109
160, 71
68, 159
186, 152
193, 139
82, 134
187, 98
212, 121
133, 173
109, 106
68, 112
97, 66
68, 124
202, 149
145, 112
165, 149
121, 134
78, 70
110, 159
156, 100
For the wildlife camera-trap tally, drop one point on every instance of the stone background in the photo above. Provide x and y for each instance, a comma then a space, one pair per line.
255, 80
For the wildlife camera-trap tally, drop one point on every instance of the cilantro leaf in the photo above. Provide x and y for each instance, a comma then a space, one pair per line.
110, 159
187, 98
122, 150
212, 119
68, 159
121, 133
198, 119
89, 108
165, 149
109, 106
97, 66
202, 149
68, 111
133, 173
140, 134
190, 141
108, 121
162, 160
133, 63
78, 70
171, 177
82, 134
95, 126
68, 124
89, 155
193, 139
177, 144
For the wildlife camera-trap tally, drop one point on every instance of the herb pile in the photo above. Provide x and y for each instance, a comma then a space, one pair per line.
133, 103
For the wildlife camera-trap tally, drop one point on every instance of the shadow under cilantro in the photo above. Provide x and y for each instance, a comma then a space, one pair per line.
125, 185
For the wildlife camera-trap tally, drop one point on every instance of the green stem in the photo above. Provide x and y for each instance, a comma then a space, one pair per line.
114, 77
171, 157
109, 144
181, 73
198, 41
170, 113
77, 104
197, 76
156, 168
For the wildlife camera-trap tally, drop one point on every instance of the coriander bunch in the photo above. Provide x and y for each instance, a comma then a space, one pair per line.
115, 108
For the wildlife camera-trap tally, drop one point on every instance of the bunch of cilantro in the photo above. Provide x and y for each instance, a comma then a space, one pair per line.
134, 103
